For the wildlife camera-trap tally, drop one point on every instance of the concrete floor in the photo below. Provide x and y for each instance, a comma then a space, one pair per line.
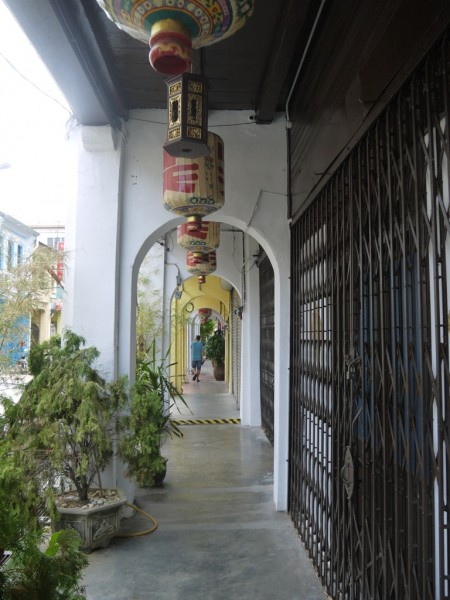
219, 537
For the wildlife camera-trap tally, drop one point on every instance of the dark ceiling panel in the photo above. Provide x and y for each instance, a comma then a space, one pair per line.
236, 67
251, 70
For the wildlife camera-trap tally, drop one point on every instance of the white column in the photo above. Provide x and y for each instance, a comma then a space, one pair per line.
93, 248
93, 243
281, 386
250, 378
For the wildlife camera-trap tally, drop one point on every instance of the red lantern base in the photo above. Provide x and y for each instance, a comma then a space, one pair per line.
170, 47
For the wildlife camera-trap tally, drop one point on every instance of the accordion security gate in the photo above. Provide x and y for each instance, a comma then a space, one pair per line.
236, 335
370, 365
267, 325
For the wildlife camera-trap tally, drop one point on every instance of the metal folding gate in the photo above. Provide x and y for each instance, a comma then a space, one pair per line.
266, 354
236, 335
370, 365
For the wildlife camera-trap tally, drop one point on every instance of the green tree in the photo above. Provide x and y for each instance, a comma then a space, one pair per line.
207, 329
23, 289
149, 313
66, 420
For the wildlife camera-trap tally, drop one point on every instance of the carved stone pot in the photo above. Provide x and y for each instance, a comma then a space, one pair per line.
96, 524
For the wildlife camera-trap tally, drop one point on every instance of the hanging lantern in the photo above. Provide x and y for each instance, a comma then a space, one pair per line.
207, 238
194, 188
173, 27
187, 118
203, 267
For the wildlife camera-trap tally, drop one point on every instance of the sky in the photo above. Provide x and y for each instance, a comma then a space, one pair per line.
36, 167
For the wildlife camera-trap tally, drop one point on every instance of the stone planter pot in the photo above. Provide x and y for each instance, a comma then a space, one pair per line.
219, 373
96, 525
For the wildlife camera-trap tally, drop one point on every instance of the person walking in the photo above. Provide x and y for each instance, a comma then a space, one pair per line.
197, 357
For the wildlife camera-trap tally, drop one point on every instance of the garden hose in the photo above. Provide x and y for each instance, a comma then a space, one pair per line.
137, 533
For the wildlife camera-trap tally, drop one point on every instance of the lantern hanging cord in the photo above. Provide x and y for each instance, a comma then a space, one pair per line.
139, 533
212, 126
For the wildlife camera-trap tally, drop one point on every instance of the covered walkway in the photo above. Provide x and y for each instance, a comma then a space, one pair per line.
219, 537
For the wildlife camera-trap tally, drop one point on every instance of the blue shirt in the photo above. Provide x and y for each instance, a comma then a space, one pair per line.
197, 350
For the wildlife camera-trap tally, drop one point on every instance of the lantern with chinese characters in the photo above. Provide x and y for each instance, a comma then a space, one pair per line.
201, 267
207, 238
194, 188
174, 26
187, 116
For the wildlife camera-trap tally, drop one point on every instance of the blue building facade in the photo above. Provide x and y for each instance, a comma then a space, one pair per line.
17, 241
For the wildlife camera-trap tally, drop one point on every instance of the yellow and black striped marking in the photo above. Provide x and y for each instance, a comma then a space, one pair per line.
180, 422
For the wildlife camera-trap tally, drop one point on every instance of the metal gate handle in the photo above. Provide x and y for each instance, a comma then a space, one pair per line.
347, 473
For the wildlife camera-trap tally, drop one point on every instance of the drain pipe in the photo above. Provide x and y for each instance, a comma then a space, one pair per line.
288, 116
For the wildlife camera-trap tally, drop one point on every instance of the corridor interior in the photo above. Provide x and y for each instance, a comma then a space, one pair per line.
219, 536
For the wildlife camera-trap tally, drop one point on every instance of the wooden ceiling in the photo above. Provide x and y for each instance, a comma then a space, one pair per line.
252, 70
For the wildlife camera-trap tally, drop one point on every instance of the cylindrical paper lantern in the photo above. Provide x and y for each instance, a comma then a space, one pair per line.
205, 239
194, 188
206, 265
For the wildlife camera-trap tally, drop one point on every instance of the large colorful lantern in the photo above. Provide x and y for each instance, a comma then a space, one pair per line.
206, 239
201, 266
194, 188
174, 26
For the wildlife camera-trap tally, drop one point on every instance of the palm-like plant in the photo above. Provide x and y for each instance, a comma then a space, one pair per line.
153, 397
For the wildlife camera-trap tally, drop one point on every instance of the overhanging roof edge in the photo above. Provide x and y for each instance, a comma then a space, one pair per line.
61, 34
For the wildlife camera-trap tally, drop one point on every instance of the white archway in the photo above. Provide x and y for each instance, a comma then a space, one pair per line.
120, 182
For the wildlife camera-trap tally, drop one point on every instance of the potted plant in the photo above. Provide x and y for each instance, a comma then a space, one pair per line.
39, 568
63, 428
32, 565
149, 423
215, 352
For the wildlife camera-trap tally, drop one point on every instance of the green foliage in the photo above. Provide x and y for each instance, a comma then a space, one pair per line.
149, 315
22, 290
207, 329
215, 349
19, 493
33, 574
65, 423
148, 425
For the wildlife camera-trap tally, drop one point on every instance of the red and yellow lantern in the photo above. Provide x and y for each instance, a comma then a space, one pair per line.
173, 27
201, 267
205, 239
204, 313
195, 188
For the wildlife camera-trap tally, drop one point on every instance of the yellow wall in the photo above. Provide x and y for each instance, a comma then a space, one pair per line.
210, 295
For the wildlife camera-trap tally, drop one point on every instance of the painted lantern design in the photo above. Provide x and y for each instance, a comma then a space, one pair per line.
205, 239
201, 266
174, 26
194, 188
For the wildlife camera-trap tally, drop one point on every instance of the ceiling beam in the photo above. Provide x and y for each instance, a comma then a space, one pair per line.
295, 18
61, 34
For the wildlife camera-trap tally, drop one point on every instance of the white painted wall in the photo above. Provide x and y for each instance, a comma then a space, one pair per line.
119, 215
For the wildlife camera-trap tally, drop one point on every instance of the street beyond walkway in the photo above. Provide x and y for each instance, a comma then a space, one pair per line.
219, 536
